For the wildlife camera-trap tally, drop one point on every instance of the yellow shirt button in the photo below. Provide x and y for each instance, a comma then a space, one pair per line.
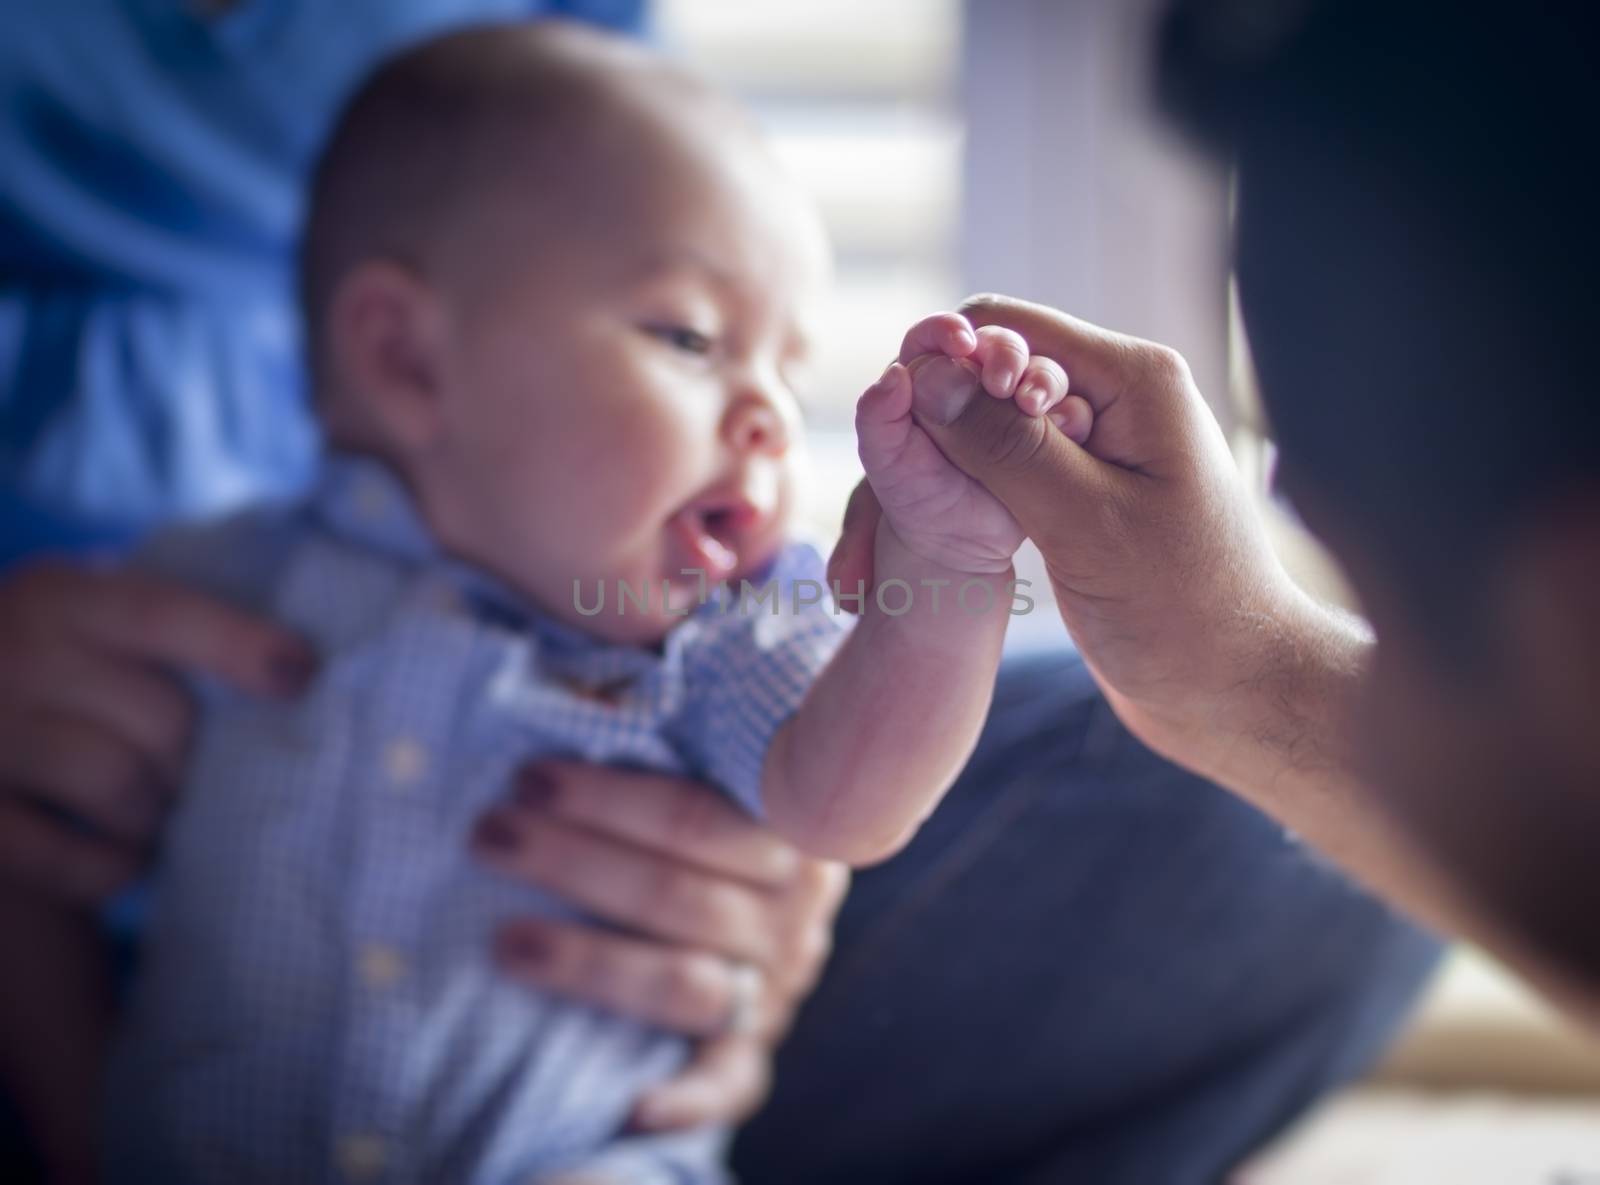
381, 965
405, 761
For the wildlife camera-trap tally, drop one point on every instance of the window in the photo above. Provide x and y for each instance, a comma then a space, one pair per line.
861, 102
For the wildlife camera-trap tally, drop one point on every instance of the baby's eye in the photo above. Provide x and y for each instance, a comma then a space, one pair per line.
681, 337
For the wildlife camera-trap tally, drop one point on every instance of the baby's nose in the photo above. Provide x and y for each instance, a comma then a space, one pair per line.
754, 425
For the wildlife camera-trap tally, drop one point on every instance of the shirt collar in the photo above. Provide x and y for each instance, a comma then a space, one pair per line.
363, 501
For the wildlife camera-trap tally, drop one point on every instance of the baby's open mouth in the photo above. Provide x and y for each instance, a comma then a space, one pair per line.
714, 534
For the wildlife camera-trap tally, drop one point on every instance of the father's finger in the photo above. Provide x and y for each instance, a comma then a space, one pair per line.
682, 819
724, 1083
1045, 479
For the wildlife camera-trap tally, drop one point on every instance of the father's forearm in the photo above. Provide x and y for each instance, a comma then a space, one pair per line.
1286, 740
1289, 744
889, 725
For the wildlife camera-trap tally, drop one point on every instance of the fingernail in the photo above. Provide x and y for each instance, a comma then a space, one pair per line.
883, 379
495, 833
291, 671
943, 390
523, 945
535, 787
1029, 396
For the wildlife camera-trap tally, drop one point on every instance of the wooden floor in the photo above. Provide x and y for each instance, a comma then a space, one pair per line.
1395, 1137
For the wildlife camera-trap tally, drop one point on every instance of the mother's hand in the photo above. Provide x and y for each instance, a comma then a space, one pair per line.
93, 724
710, 906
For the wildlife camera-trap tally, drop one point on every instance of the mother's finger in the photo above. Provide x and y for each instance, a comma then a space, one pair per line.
81, 769
135, 701
724, 1083
685, 991
149, 618
683, 819
47, 853
632, 886
806, 912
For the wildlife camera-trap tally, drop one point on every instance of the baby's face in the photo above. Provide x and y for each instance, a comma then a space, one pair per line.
623, 408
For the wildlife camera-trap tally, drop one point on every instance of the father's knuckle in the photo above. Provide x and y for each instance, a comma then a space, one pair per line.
1166, 366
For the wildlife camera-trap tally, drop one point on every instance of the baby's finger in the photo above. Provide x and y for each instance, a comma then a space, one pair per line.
1074, 417
888, 399
942, 333
1003, 356
1042, 386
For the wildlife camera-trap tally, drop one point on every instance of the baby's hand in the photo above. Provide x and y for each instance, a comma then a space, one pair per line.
934, 508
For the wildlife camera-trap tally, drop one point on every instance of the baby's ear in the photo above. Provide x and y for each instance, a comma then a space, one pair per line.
385, 332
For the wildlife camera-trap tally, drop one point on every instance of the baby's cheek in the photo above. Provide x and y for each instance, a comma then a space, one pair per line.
647, 473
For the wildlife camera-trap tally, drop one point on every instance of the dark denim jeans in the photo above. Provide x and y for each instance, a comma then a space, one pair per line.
1090, 967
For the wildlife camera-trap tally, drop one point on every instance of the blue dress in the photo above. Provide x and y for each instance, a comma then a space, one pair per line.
152, 162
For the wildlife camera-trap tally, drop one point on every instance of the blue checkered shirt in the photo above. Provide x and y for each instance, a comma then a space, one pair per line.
317, 1000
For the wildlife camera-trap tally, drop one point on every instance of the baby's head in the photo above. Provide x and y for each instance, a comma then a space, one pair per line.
561, 287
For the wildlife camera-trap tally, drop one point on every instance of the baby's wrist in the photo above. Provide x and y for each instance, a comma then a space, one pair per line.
931, 579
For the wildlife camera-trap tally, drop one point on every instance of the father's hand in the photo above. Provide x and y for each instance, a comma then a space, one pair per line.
1160, 565
723, 927
92, 724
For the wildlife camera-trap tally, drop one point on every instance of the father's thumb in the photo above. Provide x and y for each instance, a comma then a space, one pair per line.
1026, 461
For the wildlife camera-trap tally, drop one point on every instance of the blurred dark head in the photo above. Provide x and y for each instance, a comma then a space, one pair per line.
1417, 230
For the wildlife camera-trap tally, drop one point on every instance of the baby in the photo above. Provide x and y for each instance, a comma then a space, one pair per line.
557, 298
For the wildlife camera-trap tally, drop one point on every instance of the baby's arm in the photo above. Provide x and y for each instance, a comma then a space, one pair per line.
55, 1028
890, 722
